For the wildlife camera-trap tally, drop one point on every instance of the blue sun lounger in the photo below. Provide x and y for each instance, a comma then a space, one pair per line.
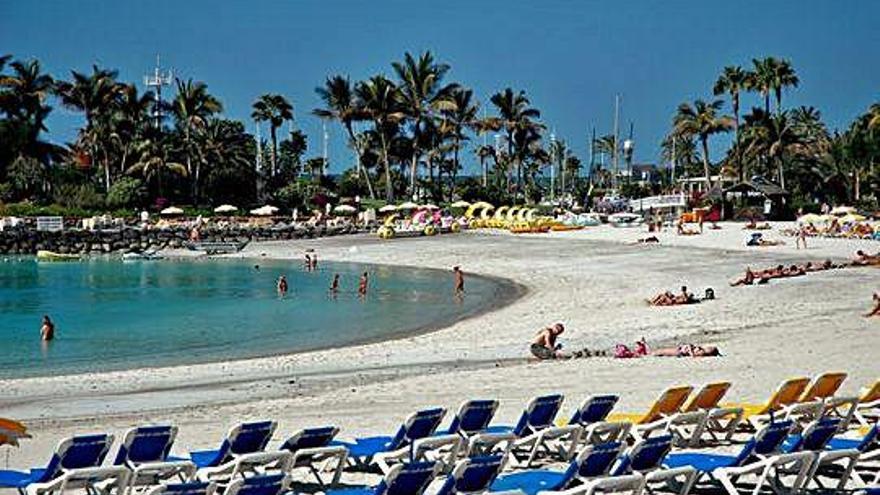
815, 439
472, 476
189, 488
145, 452
759, 456
410, 478
79, 452
267, 484
592, 417
312, 446
472, 420
589, 470
414, 441
867, 464
646, 458
244, 438
535, 432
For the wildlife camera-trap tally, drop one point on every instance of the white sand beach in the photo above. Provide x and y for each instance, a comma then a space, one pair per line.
594, 281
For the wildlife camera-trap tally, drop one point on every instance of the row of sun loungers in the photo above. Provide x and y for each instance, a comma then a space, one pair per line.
798, 438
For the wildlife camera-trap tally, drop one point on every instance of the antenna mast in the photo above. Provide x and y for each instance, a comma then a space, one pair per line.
155, 82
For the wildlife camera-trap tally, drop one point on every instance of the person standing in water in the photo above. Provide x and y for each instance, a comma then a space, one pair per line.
314, 261
282, 285
362, 286
334, 285
308, 263
459, 280
47, 331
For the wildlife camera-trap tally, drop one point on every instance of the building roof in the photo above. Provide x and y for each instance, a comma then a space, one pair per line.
759, 185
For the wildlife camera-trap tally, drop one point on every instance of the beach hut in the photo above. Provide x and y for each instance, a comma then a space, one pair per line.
172, 210
760, 192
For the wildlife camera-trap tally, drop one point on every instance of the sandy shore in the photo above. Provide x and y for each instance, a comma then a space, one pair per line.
593, 280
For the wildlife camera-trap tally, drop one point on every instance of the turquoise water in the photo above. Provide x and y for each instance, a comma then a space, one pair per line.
112, 315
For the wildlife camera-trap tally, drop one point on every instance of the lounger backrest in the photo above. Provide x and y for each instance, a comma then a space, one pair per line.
770, 438
870, 438
472, 475
645, 455
594, 409
193, 488
473, 416
418, 425
407, 479
816, 436
539, 414
823, 387
146, 444
266, 484
248, 438
593, 461
871, 394
310, 438
789, 392
669, 403
708, 397
84, 451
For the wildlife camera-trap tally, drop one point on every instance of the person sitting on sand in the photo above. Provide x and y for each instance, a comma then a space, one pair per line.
544, 345
47, 331
685, 297
876, 310
747, 279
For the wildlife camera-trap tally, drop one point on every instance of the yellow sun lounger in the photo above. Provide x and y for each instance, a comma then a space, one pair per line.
658, 415
718, 419
868, 408
823, 387
789, 392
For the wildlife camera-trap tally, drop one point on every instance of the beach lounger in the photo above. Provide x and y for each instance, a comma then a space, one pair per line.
592, 463
79, 452
779, 405
591, 416
472, 476
244, 438
145, 450
646, 458
535, 433
662, 415
815, 439
312, 447
414, 441
718, 420
111, 480
823, 387
189, 488
866, 470
868, 407
759, 456
267, 484
472, 419
411, 478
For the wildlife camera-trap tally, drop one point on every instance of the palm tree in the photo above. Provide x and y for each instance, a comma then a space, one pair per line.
463, 116
380, 100
422, 93
783, 77
874, 116
23, 95
732, 81
276, 110
340, 105
701, 120
130, 120
485, 152
515, 117
773, 137
152, 161
761, 79
192, 107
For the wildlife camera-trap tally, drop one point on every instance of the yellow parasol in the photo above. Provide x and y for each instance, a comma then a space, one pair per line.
530, 215
521, 214
499, 213
485, 213
852, 218
389, 221
511, 213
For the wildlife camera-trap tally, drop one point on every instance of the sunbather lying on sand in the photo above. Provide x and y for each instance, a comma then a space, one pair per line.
684, 350
647, 240
876, 310
864, 259
754, 226
670, 299
758, 240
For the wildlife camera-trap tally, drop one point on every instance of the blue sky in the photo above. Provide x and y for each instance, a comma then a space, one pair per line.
571, 56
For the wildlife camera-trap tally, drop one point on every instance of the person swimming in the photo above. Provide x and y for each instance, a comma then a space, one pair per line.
282, 285
47, 330
362, 285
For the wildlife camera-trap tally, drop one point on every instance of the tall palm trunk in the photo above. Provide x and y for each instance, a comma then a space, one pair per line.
360, 168
454, 174
704, 141
736, 153
414, 165
389, 191
484, 171
778, 92
273, 131
766, 93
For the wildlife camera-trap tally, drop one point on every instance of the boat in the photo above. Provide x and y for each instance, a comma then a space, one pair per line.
625, 220
149, 256
45, 255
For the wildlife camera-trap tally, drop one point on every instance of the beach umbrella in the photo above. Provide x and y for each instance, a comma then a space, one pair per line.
387, 209
430, 206
419, 216
852, 218
11, 432
344, 209
225, 209
460, 204
172, 210
811, 218
842, 210
264, 211
409, 205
